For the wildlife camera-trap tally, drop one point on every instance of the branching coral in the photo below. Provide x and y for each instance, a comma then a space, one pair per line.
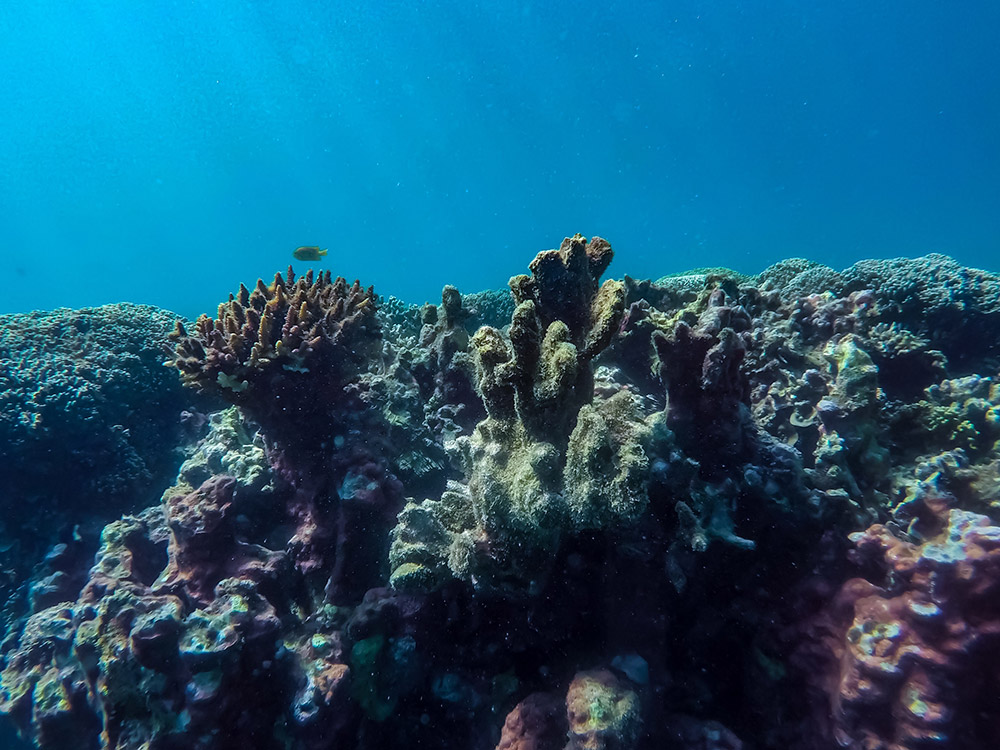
284, 351
563, 319
543, 461
292, 354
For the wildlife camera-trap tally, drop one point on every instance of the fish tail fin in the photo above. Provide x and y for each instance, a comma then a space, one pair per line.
322, 252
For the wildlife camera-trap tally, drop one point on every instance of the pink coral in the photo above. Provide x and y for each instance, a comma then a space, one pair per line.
916, 657
536, 723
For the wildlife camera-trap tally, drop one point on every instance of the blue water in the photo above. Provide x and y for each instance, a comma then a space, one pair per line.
161, 152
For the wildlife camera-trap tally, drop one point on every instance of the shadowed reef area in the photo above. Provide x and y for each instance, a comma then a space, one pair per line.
712, 511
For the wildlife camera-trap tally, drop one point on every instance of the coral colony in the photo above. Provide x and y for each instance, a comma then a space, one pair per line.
713, 511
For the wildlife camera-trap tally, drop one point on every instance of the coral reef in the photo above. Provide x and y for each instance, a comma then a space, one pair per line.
293, 356
912, 657
544, 457
284, 351
956, 308
603, 712
90, 426
712, 511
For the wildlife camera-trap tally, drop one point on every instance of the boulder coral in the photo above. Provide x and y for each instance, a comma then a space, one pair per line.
90, 425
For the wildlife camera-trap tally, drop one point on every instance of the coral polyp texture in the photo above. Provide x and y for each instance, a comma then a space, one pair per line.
917, 646
715, 510
544, 461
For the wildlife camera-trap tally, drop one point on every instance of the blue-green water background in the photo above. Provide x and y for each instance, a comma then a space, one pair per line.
163, 151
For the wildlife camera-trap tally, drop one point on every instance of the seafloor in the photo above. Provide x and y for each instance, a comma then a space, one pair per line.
709, 512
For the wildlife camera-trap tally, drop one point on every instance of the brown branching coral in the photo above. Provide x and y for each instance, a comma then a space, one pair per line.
294, 355
283, 350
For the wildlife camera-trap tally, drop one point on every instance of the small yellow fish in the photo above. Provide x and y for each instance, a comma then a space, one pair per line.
308, 253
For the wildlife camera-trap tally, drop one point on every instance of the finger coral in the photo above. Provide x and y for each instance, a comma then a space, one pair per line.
543, 461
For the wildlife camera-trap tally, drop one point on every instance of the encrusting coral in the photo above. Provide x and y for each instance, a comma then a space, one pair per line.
913, 655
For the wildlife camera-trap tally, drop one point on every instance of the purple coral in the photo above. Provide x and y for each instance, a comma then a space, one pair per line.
707, 392
916, 654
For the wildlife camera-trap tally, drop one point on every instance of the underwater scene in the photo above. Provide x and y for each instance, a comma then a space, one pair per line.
500, 376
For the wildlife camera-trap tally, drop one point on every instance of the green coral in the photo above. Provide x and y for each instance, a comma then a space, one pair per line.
383, 670
607, 463
603, 713
545, 461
